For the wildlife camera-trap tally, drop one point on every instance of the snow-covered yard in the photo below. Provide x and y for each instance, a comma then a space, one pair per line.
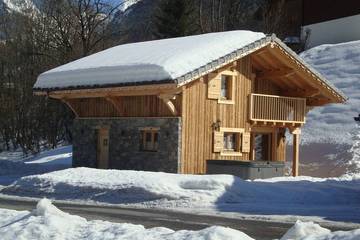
334, 199
14, 165
330, 134
48, 222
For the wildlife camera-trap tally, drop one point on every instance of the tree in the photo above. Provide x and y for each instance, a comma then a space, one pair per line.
175, 18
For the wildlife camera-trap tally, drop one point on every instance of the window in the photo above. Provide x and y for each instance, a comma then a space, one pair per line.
229, 141
225, 93
149, 139
221, 86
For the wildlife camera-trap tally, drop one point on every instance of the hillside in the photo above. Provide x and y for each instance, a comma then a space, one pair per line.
330, 135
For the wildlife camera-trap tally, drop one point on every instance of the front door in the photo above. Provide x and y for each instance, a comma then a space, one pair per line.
103, 148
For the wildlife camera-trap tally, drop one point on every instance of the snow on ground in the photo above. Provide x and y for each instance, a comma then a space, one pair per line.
339, 63
47, 222
330, 132
313, 231
147, 61
333, 199
14, 164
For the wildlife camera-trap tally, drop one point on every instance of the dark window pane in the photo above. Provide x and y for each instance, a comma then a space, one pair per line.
148, 136
155, 137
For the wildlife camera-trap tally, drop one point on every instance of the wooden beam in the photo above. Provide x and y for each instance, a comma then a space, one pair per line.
295, 164
116, 103
70, 104
301, 93
305, 73
282, 72
317, 102
166, 98
154, 89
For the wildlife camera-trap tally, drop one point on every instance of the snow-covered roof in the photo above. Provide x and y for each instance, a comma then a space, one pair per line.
174, 60
160, 60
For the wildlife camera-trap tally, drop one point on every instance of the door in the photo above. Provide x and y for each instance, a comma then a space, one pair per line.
262, 146
103, 149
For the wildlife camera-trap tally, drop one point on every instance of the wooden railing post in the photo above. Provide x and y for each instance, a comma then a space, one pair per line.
277, 109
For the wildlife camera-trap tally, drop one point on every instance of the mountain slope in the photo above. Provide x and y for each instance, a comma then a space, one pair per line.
331, 135
339, 63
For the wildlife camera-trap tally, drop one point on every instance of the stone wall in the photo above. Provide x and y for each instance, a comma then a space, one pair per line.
124, 143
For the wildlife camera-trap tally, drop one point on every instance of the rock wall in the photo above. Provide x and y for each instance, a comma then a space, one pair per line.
124, 143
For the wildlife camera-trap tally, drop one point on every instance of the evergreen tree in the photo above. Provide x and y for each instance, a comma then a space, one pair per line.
175, 18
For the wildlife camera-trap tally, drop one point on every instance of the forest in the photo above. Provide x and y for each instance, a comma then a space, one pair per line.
54, 32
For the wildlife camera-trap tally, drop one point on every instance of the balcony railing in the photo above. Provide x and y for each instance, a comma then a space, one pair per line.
277, 109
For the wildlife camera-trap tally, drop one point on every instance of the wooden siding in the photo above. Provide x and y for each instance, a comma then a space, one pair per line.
200, 113
128, 106
265, 86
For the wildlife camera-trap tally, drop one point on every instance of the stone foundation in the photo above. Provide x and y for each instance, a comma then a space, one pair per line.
124, 143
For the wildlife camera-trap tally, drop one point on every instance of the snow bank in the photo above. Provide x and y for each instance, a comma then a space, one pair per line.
48, 222
313, 231
162, 189
14, 164
157, 60
339, 63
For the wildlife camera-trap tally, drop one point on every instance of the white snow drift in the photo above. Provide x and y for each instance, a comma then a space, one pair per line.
334, 123
147, 61
48, 222
334, 198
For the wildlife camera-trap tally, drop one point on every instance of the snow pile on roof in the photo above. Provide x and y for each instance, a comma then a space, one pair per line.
48, 222
313, 231
160, 60
286, 195
339, 63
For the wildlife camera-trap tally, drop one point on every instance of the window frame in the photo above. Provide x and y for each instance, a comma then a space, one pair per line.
154, 141
230, 77
238, 132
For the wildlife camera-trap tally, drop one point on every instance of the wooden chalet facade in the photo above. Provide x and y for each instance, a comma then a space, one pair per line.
236, 108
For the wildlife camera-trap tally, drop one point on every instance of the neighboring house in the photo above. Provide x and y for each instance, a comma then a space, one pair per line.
332, 21
200, 104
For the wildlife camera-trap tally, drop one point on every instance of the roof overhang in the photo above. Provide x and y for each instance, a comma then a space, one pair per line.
315, 85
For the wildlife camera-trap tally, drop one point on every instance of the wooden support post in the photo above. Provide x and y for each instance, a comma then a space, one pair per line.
70, 104
116, 103
296, 142
167, 100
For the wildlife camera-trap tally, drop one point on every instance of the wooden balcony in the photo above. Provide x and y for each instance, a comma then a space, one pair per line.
271, 109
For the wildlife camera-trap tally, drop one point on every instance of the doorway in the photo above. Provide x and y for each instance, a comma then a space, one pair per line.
262, 149
102, 158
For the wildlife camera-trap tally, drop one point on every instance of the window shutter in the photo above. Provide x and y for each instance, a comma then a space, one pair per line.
246, 142
218, 141
214, 86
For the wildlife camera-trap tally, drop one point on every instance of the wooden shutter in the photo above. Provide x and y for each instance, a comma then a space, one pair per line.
246, 142
218, 141
214, 86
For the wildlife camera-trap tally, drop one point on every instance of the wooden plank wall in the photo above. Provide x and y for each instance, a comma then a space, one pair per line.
265, 86
199, 114
130, 106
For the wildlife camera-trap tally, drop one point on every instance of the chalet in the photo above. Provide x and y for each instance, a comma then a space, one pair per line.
210, 103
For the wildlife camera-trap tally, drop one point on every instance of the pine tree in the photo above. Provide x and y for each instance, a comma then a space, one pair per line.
175, 18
